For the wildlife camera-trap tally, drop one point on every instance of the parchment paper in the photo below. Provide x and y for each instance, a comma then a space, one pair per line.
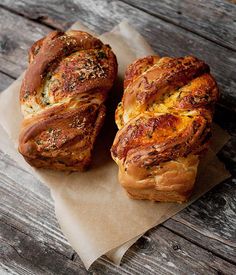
93, 210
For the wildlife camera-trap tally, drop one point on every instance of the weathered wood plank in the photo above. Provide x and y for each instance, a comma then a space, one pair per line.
211, 221
24, 210
13, 172
52, 13
22, 254
214, 19
164, 37
158, 251
27, 209
162, 252
5, 81
16, 36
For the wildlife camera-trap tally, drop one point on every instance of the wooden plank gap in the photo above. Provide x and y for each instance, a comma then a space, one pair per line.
35, 20
12, 77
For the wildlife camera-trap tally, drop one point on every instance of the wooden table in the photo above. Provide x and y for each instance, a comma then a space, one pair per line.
199, 240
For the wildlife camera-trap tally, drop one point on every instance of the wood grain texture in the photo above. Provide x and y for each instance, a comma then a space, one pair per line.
33, 213
22, 254
213, 19
166, 38
211, 221
175, 255
161, 252
29, 230
5, 81
16, 36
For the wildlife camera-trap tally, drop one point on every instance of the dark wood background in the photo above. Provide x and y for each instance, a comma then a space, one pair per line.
200, 239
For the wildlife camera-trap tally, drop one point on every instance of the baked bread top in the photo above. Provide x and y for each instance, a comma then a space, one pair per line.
164, 123
62, 99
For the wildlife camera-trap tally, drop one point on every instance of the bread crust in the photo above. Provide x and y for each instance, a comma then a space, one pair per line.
62, 99
164, 123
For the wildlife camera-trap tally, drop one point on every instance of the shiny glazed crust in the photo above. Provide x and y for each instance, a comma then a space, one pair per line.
62, 99
164, 123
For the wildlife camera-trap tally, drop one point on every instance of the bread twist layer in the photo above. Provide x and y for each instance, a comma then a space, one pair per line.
164, 123
62, 99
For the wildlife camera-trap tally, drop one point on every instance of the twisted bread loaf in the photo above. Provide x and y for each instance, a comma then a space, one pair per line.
164, 123
62, 99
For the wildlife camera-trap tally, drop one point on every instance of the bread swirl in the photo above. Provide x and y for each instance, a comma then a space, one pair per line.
62, 99
164, 123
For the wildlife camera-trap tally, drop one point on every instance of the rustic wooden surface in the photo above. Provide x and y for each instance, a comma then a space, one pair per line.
200, 239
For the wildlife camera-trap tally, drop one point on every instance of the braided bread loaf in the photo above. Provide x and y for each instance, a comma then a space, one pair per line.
164, 123
62, 99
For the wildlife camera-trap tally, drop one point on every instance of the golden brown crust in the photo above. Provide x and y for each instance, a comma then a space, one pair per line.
62, 99
173, 181
164, 120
